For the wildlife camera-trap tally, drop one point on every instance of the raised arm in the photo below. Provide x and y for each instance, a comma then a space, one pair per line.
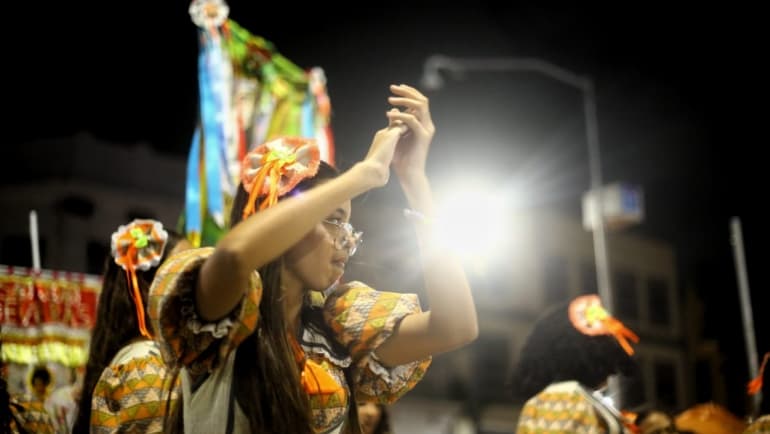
451, 321
267, 234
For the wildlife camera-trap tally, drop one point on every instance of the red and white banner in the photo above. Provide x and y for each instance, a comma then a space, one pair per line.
46, 316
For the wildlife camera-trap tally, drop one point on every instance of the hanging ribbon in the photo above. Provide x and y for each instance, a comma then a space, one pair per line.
276, 167
249, 94
207, 170
138, 245
137, 297
273, 166
214, 86
308, 118
615, 328
322, 111
194, 209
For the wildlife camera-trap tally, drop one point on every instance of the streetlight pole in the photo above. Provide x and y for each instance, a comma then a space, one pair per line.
739, 256
601, 253
433, 80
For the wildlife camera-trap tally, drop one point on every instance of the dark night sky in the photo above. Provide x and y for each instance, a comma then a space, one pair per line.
681, 100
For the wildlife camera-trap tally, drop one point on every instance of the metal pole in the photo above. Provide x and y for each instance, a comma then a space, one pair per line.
601, 252
736, 237
34, 240
595, 168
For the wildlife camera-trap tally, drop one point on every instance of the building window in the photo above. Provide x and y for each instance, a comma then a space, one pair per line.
555, 281
16, 250
665, 385
588, 283
659, 305
626, 306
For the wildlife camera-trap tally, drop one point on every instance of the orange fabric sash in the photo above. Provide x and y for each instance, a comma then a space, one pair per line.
314, 378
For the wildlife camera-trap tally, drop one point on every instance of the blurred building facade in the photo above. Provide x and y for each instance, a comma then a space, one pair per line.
82, 189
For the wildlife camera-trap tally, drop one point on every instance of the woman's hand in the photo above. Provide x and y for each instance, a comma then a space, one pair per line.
412, 149
377, 162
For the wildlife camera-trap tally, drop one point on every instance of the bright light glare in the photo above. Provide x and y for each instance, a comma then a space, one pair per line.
472, 222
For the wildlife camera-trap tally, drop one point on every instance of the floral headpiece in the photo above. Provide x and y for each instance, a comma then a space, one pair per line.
275, 168
208, 13
139, 245
589, 317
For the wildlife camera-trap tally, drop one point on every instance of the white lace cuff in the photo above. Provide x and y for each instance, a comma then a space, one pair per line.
218, 329
395, 377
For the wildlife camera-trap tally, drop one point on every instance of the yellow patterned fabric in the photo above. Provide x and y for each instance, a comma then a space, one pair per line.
360, 317
560, 408
759, 426
363, 319
29, 415
183, 340
132, 393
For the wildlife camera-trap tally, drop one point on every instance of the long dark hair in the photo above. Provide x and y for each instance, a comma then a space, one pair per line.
556, 351
110, 335
268, 387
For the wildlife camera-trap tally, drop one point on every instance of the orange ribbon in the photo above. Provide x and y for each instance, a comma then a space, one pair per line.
273, 167
135, 293
314, 378
621, 334
755, 385
277, 167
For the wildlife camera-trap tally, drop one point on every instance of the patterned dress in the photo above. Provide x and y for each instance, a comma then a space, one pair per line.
567, 407
361, 318
759, 426
131, 394
29, 415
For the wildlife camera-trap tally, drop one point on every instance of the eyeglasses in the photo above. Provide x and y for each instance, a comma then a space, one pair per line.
345, 236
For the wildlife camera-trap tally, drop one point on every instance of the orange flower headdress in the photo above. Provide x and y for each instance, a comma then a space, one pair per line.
139, 245
270, 171
275, 168
589, 317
